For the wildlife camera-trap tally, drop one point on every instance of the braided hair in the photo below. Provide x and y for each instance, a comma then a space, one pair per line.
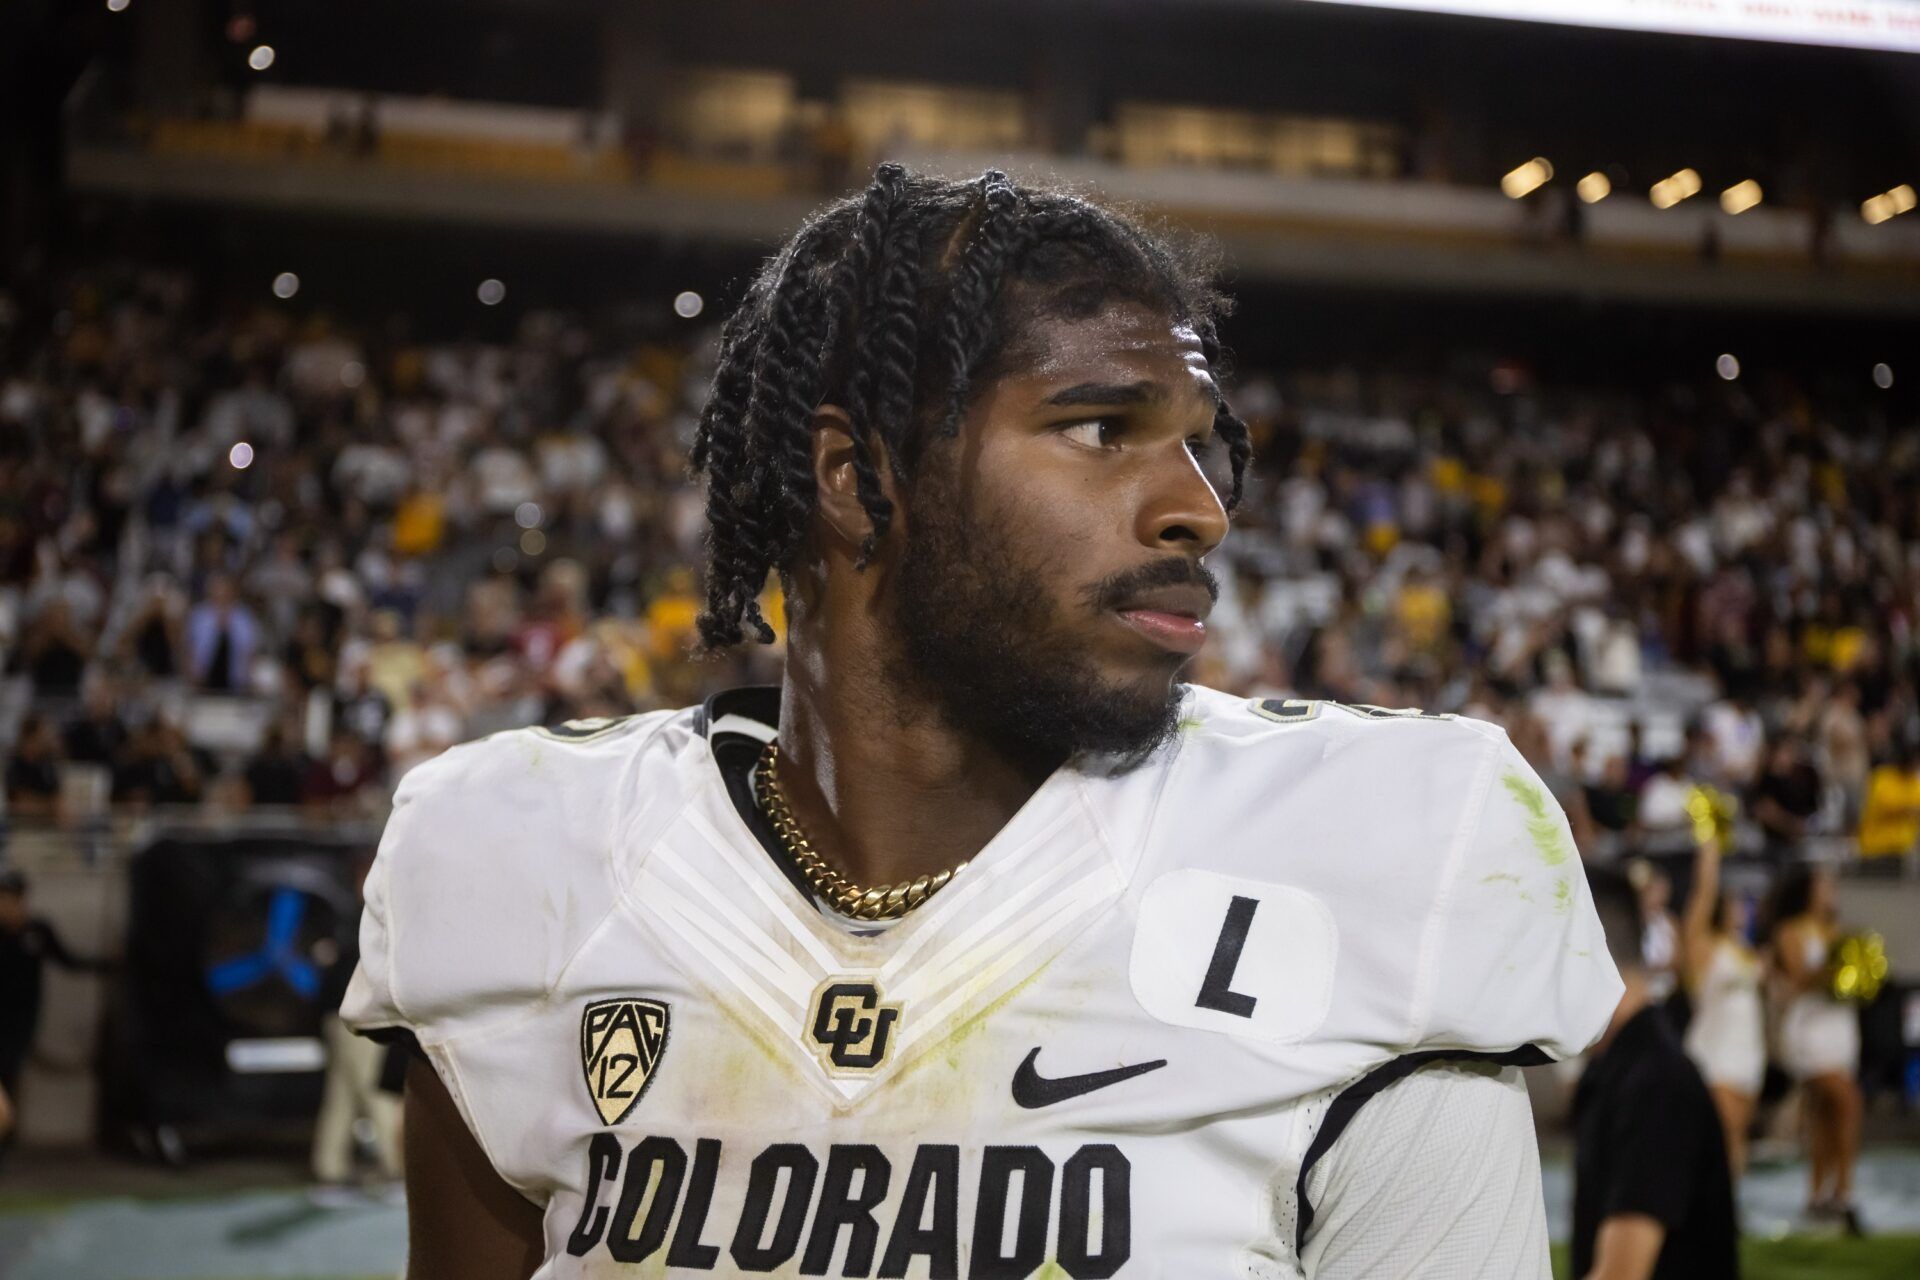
891, 304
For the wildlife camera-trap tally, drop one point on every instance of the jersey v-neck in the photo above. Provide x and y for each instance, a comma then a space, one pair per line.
738, 724
726, 904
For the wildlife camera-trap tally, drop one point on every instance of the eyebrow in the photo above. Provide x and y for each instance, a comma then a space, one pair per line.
1110, 393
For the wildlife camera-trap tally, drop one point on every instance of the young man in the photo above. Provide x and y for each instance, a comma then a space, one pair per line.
981, 947
1653, 1191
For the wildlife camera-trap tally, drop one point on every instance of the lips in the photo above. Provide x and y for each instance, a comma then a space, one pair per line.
1173, 617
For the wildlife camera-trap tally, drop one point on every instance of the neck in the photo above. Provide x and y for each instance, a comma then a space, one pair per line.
885, 789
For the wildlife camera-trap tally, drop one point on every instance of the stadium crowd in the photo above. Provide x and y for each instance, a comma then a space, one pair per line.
250, 555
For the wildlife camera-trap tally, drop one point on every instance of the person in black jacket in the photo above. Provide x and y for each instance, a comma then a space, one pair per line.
27, 943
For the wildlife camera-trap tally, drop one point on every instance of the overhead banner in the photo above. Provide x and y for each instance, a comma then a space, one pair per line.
1860, 24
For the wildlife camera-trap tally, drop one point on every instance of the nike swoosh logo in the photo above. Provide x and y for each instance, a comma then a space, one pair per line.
1033, 1090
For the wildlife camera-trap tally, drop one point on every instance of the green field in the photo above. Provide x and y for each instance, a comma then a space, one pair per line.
1812, 1258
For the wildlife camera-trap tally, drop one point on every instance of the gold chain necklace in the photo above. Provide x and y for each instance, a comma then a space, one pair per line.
881, 902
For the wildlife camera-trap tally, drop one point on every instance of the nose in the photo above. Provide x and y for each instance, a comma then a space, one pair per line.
1181, 512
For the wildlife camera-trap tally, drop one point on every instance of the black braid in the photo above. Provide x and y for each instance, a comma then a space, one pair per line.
861, 282
975, 284
846, 314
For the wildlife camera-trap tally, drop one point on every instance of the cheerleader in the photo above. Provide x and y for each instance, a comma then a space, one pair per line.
1727, 1038
1819, 1039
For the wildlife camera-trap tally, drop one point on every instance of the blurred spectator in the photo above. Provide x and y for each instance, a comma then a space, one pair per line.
222, 637
361, 709
1611, 800
393, 661
160, 767
352, 1095
1788, 797
97, 735
1659, 929
278, 774
1890, 820
1662, 811
1738, 736
1843, 755
342, 783
54, 651
155, 638
33, 771
27, 943
424, 727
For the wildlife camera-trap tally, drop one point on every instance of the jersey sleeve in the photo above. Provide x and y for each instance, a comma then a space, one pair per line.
492, 869
1513, 955
1436, 1176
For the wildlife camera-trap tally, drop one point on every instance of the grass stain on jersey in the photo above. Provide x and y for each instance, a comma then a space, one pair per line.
1543, 825
1562, 896
1500, 877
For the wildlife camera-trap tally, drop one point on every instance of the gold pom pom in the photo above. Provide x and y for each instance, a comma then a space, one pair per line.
1858, 967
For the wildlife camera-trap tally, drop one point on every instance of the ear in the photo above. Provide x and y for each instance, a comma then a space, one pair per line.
836, 480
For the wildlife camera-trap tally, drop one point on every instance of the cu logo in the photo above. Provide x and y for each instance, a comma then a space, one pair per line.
852, 1030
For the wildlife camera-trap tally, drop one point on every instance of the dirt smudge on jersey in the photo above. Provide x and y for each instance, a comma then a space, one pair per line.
736, 1083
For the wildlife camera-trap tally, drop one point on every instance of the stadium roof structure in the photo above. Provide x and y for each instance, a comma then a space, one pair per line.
1858, 24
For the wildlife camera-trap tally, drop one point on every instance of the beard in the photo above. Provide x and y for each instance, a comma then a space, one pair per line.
980, 637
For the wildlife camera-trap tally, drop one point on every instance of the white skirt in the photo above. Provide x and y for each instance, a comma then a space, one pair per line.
1727, 1040
1819, 1035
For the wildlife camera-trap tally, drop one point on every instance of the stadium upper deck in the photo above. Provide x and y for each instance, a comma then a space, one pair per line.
1378, 148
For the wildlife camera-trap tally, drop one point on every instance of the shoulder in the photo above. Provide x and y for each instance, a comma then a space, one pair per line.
496, 862
540, 795
1345, 794
1447, 869
1272, 720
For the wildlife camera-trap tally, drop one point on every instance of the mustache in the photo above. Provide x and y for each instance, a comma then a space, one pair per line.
1174, 571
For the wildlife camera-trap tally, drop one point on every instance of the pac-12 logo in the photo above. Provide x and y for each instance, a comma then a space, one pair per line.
620, 1044
852, 1031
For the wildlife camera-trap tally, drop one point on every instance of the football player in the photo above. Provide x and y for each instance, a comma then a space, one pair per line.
983, 946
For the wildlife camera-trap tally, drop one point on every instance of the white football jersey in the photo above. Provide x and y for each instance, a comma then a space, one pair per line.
1115, 1045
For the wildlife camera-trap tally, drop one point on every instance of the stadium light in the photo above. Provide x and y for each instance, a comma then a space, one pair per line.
1740, 197
261, 58
1727, 367
285, 285
241, 456
1529, 177
1902, 197
1595, 187
1883, 375
527, 515
491, 292
1670, 191
116, 6
1878, 209
688, 304
533, 542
